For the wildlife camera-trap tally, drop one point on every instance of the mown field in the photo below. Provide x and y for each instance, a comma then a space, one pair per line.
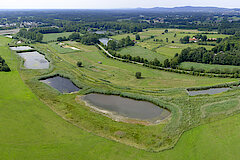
60, 49
208, 67
30, 130
142, 52
54, 36
164, 48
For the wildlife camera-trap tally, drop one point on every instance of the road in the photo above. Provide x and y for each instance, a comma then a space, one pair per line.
117, 57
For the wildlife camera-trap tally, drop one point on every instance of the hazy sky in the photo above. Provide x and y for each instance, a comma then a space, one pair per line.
100, 4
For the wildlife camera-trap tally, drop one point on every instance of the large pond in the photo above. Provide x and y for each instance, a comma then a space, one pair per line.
21, 48
127, 107
208, 91
63, 85
104, 40
34, 60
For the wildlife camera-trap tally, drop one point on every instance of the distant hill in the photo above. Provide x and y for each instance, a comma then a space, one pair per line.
189, 9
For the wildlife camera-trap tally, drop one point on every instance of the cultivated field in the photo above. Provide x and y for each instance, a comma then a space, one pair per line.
164, 48
53, 36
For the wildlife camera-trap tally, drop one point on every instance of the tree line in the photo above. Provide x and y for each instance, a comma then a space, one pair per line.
226, 53
30, 35
124, 42
87, 39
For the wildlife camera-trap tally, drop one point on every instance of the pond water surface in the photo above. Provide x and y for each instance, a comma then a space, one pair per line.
21, 48
104, 40
63, 85
208, 91
127, 107
34, 60
100, 32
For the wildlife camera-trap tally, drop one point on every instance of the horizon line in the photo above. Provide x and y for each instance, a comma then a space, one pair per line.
115, 8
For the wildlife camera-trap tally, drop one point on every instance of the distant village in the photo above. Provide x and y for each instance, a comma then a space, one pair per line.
195, 40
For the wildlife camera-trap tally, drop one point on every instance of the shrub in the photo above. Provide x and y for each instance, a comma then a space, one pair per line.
79, 64
138, 75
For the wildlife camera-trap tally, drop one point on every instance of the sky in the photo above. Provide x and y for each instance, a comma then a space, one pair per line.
112, 4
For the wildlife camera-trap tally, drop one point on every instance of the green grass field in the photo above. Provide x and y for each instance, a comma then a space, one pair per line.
142, 52
123, 74
30, 130
208, 67
54, 36
60, 49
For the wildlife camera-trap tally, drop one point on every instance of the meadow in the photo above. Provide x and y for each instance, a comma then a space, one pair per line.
31, 130
168, 48
123, 74
142, 52
53, 36
208, 67
60, 49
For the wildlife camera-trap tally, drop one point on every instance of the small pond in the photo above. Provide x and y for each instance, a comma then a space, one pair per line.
21, 48
127, 107
63, 85
34, 60
208, 91
100, 32
104, 40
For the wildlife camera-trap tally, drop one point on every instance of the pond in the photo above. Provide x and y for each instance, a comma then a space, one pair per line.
100, 32
63, 85
208, 91
104, 40
34, 60
127, 107
21, 48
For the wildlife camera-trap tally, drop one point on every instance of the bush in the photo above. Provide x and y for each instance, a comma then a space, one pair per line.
79, 64
3, 65
138, 37
138, 75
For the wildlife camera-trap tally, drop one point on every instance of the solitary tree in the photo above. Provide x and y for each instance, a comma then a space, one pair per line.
138, 75
138, 37
185, 40
204, 38
166, 39
79, 64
